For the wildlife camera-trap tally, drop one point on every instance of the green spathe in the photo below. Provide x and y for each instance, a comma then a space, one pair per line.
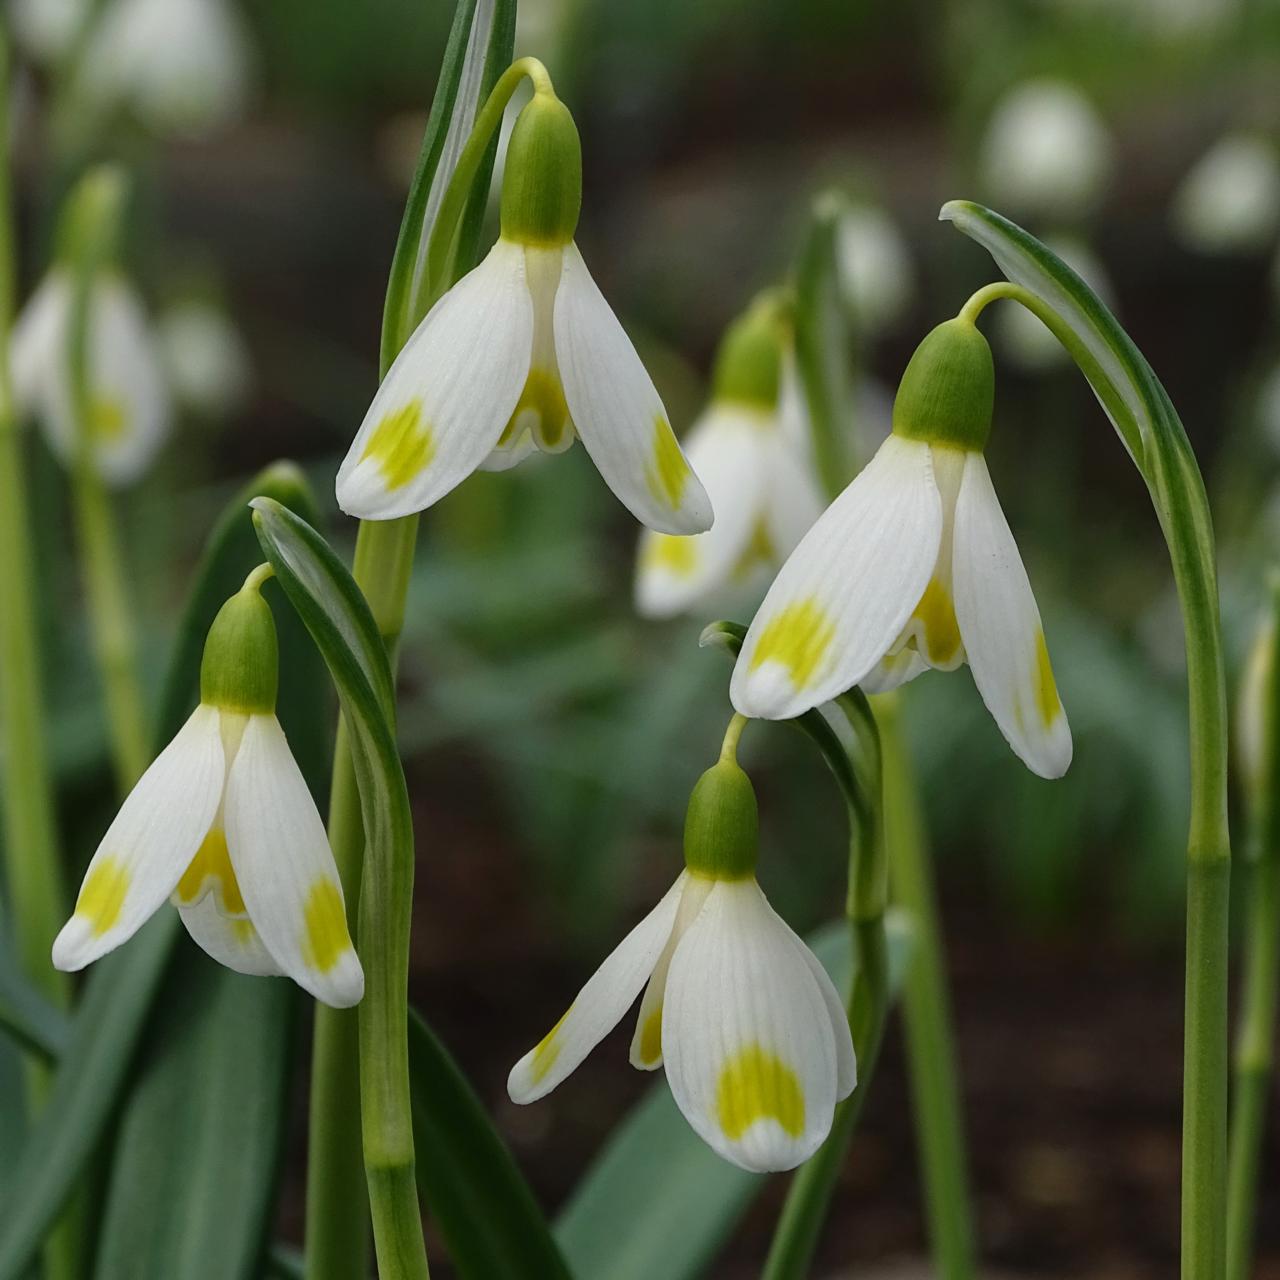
749, 362
241, 664
542, 180
948, 389
722, 828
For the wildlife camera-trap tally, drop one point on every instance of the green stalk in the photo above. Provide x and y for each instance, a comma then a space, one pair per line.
930, 1044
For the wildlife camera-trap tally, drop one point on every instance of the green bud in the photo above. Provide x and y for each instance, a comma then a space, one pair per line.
721, 829
948, 389
749, 363
90, 218
542, 180
241, 664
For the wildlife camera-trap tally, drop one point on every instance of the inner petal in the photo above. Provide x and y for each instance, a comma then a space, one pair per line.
211, 872
541, 409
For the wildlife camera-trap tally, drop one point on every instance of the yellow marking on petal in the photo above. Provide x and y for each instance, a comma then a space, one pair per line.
402, 445
757, 1085
937, 617
325, 919
108, 419
212, 862
543, 397
102, 895
798, 638
668, 473
671, 552
242, 929
760, 549
1047, 701
651, 1037
547, 1051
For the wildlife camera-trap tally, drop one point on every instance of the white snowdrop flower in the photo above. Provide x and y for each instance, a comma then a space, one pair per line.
206, 358
1255, 732
224, 825
522, 353
876, 273
45, 29
128, 407
1230, 200
914, 566
748, 1025
750, 447
1046, 151
184, 66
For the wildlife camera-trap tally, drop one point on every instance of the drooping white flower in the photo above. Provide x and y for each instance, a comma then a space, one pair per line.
129, 408
223, 824
751, 449
44, 29
748, 1025
1230, 200
522, 353
1046, 151
914, 566
876, 274
205, 357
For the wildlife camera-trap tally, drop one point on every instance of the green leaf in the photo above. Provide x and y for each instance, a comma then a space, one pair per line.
489, 1218
27, 1014
658, 1201
111, 1016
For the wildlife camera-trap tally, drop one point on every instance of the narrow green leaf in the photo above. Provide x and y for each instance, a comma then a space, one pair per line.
112, 1012
485, 1210
658, 1201
27, 1014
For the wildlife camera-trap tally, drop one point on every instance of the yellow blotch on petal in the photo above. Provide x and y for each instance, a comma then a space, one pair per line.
402, 445
757, 1085
543, 400
1048, 703
108, 419
651, 1037
798, 638
325, 920
102, 895
671, 552
212, 862
668, 473
760, 549
547, 1051
937, 617
242, 930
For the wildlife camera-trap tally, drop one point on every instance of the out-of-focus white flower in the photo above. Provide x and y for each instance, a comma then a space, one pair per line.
206, 358
129, 410
1268, 408
1254, 705
1230, 200
44, 29
1046, 152
183, 66
1022, 337
876, 274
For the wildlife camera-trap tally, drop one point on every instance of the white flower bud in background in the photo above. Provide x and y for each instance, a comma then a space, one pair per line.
1230, 200
1267, 409
44, 29
205, 357
1254, 699
876, 273
1046, 151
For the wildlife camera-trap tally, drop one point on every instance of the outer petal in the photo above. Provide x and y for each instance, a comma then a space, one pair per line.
747, 1035
846, 592
39, 334
230, 940
846, 1062
1000, 626
443, 405
617, 411
149, 845
285, 867
599, 1006
793, 501
726, 447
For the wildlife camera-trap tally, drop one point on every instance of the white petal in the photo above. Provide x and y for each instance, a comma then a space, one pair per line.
747, 1035
600, 1004
847, 590
891, 672
230, 940
726, 448
505, 456
444, 402
39, 335
149, 845
792, 496
617, 411
1000, 626
846, 1062
285, 867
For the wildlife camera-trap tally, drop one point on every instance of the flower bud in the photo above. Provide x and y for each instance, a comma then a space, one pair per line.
721, 828
240, 668
948, 389
748, 366
542, 178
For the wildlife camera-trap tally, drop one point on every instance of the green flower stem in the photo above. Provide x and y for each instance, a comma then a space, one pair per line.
809, 1195
930, 1044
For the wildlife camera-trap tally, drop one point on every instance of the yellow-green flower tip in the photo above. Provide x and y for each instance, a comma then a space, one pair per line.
722, 828
240, 668
542, 180
749, 363
948, 389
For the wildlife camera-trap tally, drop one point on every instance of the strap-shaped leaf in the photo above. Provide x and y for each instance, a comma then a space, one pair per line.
473, 1188
109, 1020
27, 1014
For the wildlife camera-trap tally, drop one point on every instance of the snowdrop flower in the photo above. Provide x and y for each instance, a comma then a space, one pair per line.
223, 824
1230, 200
182, 65
876, 275
753, 1036
912, 567
45, 29
751, 448
129, 407
522, 354
205, 357
1046, 151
